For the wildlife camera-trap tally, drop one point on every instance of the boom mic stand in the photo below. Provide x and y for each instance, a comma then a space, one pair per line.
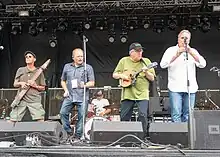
84, 87
190, 121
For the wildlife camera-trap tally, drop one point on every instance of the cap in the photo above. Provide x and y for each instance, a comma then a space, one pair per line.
29, 52
135, 46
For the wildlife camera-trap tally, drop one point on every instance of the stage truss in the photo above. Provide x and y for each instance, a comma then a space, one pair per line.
110, 8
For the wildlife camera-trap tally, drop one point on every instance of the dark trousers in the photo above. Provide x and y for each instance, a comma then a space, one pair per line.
127, 109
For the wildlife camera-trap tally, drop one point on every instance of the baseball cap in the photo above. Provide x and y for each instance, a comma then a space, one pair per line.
135, 46
30, 52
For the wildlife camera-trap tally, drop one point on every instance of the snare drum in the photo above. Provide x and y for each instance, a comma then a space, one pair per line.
88, 125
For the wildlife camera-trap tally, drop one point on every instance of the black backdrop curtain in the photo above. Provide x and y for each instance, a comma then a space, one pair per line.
102, 55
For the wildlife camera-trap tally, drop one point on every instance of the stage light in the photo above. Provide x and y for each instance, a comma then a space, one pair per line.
62, 26
123, 37
77, 28
87, 26
101, 25
23, 13
172, 23
194, 22
40, 26
158, 25
206, 25
16, 28
53, 41
146, 24
132, 24
32, 29
111, 37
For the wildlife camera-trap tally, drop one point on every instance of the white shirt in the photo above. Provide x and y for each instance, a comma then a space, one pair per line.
99, 104
177, 70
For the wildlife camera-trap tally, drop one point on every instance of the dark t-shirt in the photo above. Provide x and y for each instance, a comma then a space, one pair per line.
23, 74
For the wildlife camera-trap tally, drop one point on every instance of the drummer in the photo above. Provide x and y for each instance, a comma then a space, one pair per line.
99, 103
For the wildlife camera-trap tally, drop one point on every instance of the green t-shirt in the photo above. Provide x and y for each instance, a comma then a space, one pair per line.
139, 91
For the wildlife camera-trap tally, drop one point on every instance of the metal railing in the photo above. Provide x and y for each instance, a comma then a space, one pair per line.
113, 94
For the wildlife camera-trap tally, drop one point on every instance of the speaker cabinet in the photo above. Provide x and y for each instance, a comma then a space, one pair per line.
206, 129
169, 133
49, 133
110, 131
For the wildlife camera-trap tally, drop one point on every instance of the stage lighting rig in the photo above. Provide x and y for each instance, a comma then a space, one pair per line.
206, 24
16, 28
124, 37
33, 29
172, 22
146, 24
53, 41
62, 26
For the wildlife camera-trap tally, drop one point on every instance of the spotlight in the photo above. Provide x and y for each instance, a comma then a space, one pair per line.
101, 25
32, 29
77, 28
40, 26
194, 22
206, 25
132, 24
172, 23
87, 26
16, 28
158, 25
111, 38
62, 26
53, 41
146, 24
123, 37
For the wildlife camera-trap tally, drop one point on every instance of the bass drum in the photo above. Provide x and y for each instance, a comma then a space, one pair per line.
88, 125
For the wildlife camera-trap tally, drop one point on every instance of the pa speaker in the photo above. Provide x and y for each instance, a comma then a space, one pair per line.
48, 133
111, 131
206, 129
169, 133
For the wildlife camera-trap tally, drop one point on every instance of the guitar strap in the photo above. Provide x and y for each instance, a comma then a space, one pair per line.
154, 85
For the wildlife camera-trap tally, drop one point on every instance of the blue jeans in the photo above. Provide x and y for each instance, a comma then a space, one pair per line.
179, 104
127, 109
66, 109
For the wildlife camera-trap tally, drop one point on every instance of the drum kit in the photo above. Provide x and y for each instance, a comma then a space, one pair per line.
92, 115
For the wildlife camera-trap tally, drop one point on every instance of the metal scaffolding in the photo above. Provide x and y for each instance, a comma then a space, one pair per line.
106, 5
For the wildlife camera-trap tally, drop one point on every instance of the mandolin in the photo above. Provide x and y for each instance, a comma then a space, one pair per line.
132, 76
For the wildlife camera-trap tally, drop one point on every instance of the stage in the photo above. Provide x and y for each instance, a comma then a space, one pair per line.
73, 151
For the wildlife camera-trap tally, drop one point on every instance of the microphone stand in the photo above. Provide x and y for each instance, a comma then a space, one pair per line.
84, 88
190, 119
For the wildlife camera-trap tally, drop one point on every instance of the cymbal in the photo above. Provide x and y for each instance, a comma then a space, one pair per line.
112, 107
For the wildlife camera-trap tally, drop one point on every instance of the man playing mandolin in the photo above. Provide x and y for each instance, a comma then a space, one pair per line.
137, 93
32, 99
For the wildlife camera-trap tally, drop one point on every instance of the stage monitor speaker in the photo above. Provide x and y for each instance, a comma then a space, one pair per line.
48, 133
169, 133
206, 130
110, 131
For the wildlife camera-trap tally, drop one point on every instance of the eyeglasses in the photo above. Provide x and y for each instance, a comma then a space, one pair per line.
28, 56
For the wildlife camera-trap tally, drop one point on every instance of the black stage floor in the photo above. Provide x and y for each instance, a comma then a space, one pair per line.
85, 151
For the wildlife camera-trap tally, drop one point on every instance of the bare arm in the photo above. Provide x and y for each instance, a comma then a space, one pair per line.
149, 75
64, 86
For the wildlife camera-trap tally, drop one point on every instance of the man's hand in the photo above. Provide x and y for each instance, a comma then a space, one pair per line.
102, 113
181, 50
32, 83
23, 84
66, 93
124, 77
